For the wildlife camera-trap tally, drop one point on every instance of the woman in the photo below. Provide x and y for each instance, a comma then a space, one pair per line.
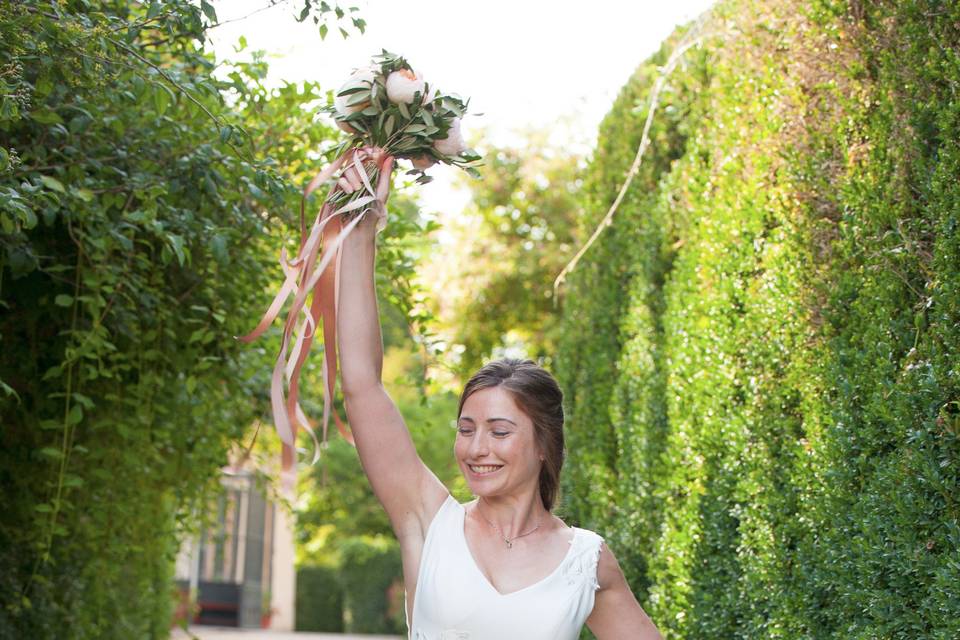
501, 566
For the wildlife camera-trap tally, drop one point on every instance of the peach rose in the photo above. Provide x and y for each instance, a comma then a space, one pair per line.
402, 84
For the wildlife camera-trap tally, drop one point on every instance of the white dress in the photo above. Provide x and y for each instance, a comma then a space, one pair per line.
455, 601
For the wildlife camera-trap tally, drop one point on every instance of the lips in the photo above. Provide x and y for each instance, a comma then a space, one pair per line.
484, 469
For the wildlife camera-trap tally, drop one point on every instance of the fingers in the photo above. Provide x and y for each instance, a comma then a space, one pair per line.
349, 180
383, 185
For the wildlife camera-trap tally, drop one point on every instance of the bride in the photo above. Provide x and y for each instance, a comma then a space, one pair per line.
501, 566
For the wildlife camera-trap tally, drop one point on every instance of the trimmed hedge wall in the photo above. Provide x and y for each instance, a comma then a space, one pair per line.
362, 593
319, 600
760, 354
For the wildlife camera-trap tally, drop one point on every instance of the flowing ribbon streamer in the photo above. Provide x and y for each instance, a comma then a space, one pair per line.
316, 270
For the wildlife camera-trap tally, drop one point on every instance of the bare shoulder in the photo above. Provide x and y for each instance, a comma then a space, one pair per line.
609, 573
616, 613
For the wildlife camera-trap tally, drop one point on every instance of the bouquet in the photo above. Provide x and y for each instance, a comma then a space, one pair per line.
390, 112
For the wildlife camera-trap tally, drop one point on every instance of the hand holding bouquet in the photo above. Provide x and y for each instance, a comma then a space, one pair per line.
390, 112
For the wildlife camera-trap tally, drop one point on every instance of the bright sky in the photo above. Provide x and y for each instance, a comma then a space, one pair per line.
521, 62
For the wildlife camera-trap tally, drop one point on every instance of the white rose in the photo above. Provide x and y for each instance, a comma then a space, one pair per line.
453, 144
402, 84
365, 74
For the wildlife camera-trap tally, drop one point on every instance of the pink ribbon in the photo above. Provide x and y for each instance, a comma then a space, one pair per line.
316, 270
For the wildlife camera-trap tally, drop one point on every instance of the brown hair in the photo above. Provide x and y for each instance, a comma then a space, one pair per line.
538, 395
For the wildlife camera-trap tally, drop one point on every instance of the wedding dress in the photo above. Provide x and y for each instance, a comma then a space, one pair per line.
454, 600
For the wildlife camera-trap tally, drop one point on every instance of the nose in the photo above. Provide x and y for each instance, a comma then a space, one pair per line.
479, 447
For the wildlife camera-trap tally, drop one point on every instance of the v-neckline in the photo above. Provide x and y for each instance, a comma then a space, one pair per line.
486, 580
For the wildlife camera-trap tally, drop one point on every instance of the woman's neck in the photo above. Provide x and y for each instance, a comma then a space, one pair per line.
513, 515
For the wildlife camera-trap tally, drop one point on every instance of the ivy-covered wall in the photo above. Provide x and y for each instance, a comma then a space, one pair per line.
760, 353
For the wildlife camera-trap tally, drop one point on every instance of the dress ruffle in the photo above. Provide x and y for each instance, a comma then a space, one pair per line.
582, 564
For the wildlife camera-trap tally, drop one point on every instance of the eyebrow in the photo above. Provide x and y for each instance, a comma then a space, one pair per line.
489, 420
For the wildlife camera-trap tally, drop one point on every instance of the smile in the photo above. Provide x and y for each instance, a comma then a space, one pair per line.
484, 470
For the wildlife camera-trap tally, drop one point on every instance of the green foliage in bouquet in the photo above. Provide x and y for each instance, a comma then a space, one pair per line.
388, 105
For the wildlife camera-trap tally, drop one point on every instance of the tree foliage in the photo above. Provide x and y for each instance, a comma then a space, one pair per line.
144, 188
515, 236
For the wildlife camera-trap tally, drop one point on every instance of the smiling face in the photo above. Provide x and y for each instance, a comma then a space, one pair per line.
496, 446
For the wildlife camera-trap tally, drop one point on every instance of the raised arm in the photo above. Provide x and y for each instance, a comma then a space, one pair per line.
406, 488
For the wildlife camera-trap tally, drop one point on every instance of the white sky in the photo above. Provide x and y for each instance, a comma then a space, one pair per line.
522, 62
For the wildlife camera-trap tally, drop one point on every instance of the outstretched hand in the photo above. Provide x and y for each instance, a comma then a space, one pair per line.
350, 181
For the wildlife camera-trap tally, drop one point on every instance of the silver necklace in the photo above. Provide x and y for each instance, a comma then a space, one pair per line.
509, 541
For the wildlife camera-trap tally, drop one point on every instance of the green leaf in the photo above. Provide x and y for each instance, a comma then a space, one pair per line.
225, 132
29, 218
43, 508
43, 115
359, 98
161, 99
52, 183
353, 88
51, 452
84, 194
176, 243
63, 300
323, 31
208, 11
75, 415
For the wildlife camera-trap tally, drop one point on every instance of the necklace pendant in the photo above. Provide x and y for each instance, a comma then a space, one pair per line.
509, 544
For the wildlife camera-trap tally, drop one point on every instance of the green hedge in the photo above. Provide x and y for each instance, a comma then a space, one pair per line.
369, 566
319, 600
760, 353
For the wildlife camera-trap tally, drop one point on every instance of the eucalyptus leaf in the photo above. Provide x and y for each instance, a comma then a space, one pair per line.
359, 97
